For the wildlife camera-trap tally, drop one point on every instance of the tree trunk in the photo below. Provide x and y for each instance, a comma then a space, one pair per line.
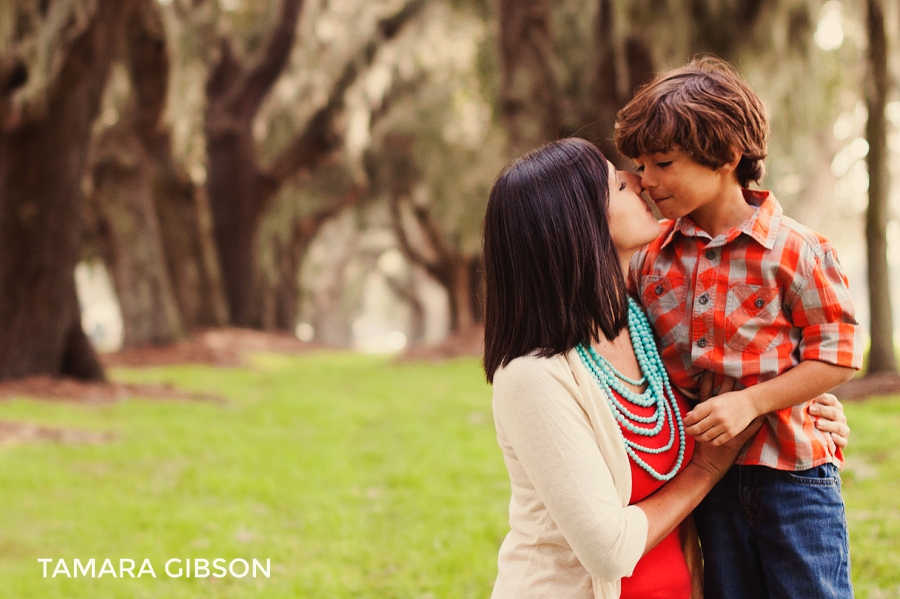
234, 93
621, 66
289, 254
459, 286
476, 288
286, 290
723, 28
190, 250
882, 357
182, 210
531, 98
407, 291
535, 105
240, 189
146, 207
444, 263
43, 151
130, 241
333, 307
233, 198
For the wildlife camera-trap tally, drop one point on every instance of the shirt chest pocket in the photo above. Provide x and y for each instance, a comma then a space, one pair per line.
753, 318
664, 299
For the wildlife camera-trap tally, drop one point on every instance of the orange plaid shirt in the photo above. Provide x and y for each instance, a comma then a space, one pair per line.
751, 304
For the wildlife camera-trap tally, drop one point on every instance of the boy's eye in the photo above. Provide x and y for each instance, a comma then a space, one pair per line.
664, 164
639, 169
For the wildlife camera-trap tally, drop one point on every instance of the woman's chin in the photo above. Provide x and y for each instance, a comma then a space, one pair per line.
653, 232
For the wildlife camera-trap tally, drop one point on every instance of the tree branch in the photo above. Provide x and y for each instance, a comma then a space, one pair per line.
403, 239
148, 67
432, 234
404, 292
308, 225
268, 63
318, 138
412, 254
397, 91
33, 69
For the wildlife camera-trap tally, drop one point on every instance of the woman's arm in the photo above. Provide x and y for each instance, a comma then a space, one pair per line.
551, 446
676, 499
536, 409
672, 503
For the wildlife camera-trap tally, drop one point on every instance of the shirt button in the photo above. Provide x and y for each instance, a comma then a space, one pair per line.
702, 342
704, 299
759, 303
658, 290
710, 254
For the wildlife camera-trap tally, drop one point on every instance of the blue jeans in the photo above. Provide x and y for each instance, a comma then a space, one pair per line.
771, 534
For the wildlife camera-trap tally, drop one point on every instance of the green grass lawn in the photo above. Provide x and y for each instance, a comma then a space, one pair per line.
355, 476
872, 493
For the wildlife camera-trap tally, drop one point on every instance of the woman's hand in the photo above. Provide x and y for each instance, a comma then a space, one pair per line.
717, 459
828, 412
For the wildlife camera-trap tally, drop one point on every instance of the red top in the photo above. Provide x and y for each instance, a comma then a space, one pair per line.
663, 572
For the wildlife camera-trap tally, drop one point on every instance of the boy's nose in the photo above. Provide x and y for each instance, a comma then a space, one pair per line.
646, 181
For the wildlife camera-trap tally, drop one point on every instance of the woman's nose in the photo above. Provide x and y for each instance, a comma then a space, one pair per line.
632, 180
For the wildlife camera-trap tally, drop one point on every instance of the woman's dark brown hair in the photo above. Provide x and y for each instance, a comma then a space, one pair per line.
553, 276
706, 108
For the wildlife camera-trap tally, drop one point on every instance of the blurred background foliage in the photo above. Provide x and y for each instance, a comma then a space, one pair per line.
321, 167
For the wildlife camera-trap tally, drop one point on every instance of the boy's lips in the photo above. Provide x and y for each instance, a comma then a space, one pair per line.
658, 200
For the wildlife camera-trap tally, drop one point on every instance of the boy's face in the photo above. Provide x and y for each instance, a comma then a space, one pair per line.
679, 185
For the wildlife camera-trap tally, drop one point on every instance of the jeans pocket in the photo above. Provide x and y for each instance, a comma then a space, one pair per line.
825, 475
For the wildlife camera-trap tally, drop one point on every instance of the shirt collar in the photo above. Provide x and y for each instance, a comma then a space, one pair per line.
762, 226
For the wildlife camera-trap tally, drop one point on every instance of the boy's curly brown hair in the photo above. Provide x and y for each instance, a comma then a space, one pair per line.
705, 107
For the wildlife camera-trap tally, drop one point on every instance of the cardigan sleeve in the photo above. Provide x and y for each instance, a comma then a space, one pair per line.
536, 407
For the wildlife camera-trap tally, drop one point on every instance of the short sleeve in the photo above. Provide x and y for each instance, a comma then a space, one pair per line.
824, 312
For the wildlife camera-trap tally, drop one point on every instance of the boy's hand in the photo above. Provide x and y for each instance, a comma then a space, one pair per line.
719, 419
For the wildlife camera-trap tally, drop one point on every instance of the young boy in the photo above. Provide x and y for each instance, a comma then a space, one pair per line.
735, 287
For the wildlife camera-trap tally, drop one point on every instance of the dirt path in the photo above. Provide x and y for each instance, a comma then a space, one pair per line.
869, 386
216, 347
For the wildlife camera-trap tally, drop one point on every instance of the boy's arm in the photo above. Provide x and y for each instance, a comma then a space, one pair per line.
720, 418
830, 352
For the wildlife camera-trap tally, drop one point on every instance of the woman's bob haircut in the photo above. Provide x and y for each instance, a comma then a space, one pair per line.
553, 276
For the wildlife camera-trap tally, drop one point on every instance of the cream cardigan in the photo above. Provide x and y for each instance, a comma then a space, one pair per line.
573, 535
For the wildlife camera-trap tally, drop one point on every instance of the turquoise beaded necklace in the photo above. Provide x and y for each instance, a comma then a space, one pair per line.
658, 393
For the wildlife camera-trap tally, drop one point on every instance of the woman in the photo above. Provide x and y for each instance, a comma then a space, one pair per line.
602, 471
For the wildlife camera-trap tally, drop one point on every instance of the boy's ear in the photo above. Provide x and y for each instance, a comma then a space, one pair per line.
732, 164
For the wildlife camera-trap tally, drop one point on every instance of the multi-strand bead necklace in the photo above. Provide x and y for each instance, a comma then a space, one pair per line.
658, 393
